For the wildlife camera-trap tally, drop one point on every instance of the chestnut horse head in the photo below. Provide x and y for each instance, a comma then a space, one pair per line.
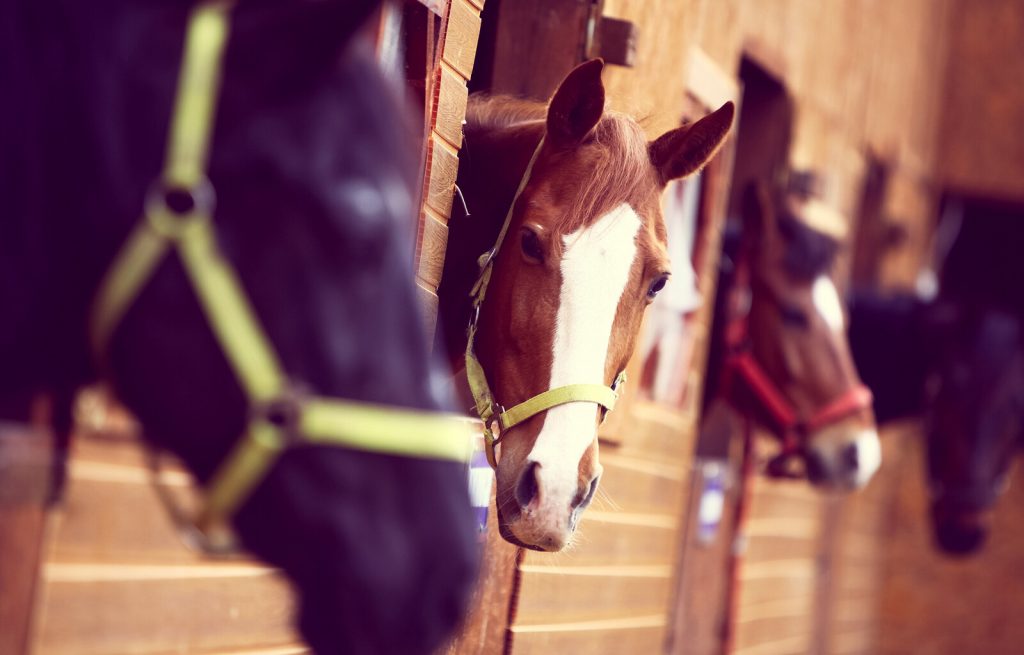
809, 392
583, 257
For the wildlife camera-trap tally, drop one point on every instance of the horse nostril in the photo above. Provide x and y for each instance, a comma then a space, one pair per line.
816, 471
583, 499
850, 457
959, 539
528, 487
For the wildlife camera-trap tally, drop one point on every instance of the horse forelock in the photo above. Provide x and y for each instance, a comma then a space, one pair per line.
617, 170
617, 166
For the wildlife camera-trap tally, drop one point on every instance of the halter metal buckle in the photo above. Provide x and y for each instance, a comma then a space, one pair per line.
284, 412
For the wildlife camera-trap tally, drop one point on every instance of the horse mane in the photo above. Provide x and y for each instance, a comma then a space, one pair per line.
618, 170
809, 253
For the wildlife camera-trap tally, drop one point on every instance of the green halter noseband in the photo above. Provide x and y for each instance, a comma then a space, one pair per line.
486, 407
279, 418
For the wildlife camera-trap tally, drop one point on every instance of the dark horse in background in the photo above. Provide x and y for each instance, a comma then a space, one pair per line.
315, 181
958, 361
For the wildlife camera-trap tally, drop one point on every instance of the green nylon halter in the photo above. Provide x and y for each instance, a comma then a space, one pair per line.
486, 407
278, 417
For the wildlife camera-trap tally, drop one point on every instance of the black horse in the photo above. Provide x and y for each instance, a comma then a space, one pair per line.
958, 361
315, 184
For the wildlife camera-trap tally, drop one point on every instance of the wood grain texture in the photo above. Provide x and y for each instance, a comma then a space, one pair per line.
461, 39
162, 615
602, 542
117, 578
630, 485
444, 168
434, 241
592, 639
451, 107
560, 597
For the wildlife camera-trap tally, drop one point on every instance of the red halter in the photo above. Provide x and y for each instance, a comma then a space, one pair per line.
786, 421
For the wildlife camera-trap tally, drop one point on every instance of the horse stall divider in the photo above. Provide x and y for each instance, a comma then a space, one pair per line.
445, 109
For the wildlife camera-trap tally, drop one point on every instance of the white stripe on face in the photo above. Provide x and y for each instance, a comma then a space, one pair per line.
826, 301
595, 270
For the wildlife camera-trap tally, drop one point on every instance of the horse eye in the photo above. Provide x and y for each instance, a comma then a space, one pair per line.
657, 286
793, 316
531, 246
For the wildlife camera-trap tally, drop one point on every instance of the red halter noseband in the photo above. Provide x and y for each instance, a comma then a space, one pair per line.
786, 421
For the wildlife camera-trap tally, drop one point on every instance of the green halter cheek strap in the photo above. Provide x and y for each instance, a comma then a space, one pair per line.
485, 405
279, 418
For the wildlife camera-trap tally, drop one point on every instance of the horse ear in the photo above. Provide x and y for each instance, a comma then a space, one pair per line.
577, 105
686, 149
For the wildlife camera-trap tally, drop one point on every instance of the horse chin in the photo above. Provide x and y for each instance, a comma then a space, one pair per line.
527, 532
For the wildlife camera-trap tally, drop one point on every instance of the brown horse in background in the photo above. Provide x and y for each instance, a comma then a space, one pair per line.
585, 254
780, 356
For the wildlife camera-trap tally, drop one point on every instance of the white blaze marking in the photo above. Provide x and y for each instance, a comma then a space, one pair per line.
595, 270
869, 456
826, 301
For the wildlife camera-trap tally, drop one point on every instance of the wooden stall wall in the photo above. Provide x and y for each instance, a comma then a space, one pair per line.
116, 576
447, 93
867, 80
982, 143
934, 604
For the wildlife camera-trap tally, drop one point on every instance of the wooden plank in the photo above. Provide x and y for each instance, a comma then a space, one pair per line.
562, 597
24, 482
161, 613
451, 107
461, 39
765, 581
115, 521
634, 485
597, 638
432, 248
657, 432
772, 629
623, 541
776, 547
444, 168
787, 646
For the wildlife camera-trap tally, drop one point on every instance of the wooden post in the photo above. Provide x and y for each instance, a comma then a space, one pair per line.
24, 483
